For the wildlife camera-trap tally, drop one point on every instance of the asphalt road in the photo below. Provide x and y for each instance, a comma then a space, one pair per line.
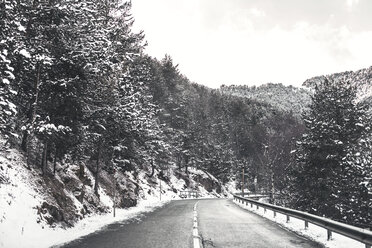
221, 224
224, 224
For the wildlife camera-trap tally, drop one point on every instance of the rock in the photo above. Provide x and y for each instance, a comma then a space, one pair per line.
209, 184
55, 212
127, 200
101, 209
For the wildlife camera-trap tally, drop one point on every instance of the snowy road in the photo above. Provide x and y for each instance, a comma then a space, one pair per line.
221, 223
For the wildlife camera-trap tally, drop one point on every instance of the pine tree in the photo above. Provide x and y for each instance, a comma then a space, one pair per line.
327, 180
10, 29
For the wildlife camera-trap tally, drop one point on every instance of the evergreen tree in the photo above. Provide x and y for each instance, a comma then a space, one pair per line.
328, 179
10, 30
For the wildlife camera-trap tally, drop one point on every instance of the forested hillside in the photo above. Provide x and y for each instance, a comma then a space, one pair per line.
93, 118
285, 98
361, 79
80, 97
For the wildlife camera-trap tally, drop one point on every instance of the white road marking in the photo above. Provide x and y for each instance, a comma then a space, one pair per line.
195, 233
195, 224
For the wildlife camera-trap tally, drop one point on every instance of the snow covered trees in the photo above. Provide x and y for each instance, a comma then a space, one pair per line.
331, 166
10, 29
84, 91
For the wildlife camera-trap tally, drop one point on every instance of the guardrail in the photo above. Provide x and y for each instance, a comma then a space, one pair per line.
359, 234
249, 194
189, 193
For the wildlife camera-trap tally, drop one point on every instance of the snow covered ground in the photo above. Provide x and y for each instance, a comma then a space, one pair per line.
20, 225
22, 193
314, 232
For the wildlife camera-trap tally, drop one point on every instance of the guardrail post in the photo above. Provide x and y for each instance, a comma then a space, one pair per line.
287, 218
264, 210
274, 214
306, 224
257, 207
329, 234
251, 205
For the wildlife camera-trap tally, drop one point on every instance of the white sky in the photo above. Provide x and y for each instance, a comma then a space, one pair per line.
257, 41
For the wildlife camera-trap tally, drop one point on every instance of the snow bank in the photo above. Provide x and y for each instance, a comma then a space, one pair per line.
313, 232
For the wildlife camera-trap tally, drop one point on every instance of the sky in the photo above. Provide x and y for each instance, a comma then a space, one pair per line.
252, 42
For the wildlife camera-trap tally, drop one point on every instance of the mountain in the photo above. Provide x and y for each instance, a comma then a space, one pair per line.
284, 98
362, 79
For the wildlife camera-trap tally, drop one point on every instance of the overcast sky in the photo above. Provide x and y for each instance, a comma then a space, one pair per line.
257, 41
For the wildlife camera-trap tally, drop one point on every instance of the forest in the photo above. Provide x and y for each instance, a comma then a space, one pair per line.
77, 86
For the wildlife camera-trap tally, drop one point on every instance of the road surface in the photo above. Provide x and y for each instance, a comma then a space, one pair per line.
221, 223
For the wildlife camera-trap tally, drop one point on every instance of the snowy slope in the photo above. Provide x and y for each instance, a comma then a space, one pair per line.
362, 79
25, 221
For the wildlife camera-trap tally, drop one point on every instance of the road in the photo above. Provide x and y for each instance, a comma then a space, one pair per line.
220, 222
227, 225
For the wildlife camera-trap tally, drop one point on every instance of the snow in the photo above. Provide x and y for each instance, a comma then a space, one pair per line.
231, 187
313, 232
20, 27
94, 223
24, 53
177, 183
17, 204
21, 197
19, 225
5, 81
50, 128
10, 74
28, 234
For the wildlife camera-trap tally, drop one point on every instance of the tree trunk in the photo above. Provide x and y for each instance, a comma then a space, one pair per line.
81, 171
152, 169
33, 108
187, 165
179, 160
44, 159
55, 161
255, 179
272, 188
243, 182
97, 170
24, 141
36, 96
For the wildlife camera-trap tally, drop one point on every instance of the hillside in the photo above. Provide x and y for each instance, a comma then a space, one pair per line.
362, 79
33, 206
284, 98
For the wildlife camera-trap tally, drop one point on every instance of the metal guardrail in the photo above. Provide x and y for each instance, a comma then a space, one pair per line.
189, 193
359, 234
